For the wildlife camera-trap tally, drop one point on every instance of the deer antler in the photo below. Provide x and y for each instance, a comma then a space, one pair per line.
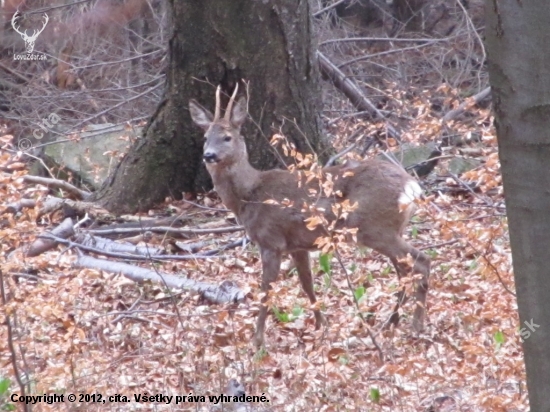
36, 32
217, 111
227, 115
14, 19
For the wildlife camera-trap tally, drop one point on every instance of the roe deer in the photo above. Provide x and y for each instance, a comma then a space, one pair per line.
384, 193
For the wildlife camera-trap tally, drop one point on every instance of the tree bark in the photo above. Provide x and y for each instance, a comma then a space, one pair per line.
517, 42
267, 43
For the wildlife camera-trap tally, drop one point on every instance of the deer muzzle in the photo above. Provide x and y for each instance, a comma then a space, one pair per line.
210, 157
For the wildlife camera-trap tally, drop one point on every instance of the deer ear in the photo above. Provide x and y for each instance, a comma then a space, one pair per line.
238, 114
201, 116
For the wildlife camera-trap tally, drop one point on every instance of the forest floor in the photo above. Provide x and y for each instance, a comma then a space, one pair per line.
91, 331
86, 331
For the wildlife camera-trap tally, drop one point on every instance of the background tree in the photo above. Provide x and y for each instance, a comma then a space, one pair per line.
218, 42
519, 70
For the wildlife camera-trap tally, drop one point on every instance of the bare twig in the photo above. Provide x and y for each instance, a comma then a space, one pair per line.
213, 209
350, 286
384, 53
340, 154
352, 91
389, 39
449, 242
16, 74
469, 189
329, 7
13, 354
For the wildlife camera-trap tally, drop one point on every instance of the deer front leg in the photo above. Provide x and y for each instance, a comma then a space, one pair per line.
301, 260
271, 263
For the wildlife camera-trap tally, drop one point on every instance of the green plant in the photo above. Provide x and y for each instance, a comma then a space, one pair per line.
4, 387
499, 339
325, 263
359, 293
375, 395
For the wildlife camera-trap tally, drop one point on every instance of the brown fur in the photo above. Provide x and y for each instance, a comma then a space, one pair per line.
375, 185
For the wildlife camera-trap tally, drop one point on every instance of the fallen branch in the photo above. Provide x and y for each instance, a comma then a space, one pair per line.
352, 91
59, 184
166, 229
329, 7
193, 247
469, 102
16, 207
109, 245
121, 255
42, 244
226, 292
53, 204
241, 242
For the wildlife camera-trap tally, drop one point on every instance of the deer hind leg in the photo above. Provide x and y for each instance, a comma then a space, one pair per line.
397, 250
301, 259
401, 295
271, 263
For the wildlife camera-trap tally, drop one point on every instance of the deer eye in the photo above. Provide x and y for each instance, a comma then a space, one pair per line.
227, 139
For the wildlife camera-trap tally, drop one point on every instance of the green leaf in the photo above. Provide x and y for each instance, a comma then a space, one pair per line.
324, 263
499, 338
4, 385
343, 360
444, 268
281, 316
260, 354
375, 395
359, 293
297, 312
414, 232
431, 253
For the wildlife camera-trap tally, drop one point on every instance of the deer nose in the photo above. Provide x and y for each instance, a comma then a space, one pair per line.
210, 157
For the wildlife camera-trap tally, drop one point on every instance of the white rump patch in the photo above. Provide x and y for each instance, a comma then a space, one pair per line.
411, 192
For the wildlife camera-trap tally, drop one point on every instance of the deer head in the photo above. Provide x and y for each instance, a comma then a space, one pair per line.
224, 146
29, 40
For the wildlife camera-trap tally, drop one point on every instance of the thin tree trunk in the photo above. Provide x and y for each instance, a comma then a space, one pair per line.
218, 42
517, 45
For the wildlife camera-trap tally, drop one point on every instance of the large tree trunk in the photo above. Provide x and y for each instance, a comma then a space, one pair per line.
267, 43
519, 69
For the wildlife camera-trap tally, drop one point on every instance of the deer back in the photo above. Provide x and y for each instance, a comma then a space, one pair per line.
270, 204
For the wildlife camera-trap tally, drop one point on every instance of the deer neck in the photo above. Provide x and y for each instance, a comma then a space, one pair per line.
235, 183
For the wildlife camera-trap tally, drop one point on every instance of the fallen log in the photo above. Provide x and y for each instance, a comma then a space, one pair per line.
225, 292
